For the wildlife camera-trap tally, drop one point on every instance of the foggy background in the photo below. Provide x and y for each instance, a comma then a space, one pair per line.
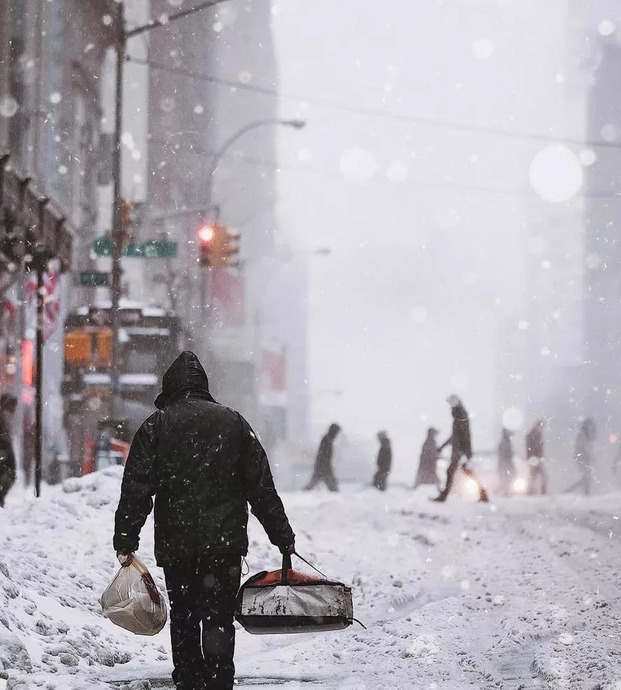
413, 170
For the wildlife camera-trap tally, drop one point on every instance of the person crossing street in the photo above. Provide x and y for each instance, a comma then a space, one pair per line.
461, 446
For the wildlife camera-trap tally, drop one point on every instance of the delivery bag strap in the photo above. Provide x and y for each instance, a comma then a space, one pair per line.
286, 567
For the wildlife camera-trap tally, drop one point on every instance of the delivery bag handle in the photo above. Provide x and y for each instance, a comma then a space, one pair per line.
286, 567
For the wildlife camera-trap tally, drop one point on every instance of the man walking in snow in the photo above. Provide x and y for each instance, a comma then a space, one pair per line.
323, 471
460, 446
384, 462
8, 405
204, 464
537, 473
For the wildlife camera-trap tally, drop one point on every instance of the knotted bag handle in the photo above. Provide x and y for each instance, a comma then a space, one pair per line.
286, 567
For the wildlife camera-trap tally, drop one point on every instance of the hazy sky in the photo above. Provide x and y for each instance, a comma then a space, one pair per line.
426, 223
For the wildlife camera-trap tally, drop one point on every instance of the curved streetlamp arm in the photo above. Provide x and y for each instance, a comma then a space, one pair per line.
215, 161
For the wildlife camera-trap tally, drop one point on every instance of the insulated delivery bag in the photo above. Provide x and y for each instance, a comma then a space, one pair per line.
132, 601
288, 601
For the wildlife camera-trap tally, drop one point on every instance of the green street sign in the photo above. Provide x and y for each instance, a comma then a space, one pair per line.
152, 249
91, 279
159, 249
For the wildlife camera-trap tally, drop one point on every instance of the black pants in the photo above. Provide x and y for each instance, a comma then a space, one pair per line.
202, 594
326, 476
450, 478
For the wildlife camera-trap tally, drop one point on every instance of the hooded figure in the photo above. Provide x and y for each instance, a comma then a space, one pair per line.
204, 464
506, 464
460, 446
384, 461
8, 404
323, 471
427, 467
537, 473
585, 456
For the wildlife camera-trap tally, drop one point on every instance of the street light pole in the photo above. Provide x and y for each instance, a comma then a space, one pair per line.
117, 234
217, 157
215, 161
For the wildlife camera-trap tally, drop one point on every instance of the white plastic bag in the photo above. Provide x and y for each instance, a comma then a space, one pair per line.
132, 601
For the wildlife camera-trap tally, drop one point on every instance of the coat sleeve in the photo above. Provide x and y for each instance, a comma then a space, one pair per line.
137, 489
261, 493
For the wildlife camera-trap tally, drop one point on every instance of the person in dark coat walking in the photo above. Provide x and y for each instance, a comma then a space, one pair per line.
323, 471
8, 470
585, 456
384, 462
537, 473
506, 464
428, 464
204, 464
460, 446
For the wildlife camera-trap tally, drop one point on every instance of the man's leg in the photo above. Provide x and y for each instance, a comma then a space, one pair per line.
185, 632
532, 479
314, 480
331, 482
219, 577
450, 478
482, 492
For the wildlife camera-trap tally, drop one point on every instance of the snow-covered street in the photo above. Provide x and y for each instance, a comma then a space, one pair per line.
522, 593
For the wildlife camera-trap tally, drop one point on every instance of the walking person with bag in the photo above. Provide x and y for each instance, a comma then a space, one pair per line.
460, 446
204, 464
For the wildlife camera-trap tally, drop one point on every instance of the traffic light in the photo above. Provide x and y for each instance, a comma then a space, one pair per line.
127, 213
218, 246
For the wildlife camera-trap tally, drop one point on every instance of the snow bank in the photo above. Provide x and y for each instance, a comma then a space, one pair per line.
523, 593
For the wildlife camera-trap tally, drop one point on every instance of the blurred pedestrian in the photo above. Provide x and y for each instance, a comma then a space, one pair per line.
461, 446
585, 456
506, 463
384, 462
204, 464
8, 473
535, 454
323, 470
428, 464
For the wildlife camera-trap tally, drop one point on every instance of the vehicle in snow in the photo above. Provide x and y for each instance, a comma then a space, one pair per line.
98, 427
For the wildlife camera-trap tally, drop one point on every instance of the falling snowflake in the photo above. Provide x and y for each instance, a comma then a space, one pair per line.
555, 173
587, 157
483, 49
106, 20
55, 98
8, 106
606, 27
199, 109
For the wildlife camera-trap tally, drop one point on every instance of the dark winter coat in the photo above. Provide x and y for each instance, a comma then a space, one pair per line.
384, 457
203, 463
427, 467
534, 443
7, 456
460, 438
325, 453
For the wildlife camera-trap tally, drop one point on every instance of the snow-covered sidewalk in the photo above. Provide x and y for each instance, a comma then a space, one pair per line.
523, 593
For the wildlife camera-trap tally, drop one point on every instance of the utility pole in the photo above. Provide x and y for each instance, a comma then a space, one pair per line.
118, 234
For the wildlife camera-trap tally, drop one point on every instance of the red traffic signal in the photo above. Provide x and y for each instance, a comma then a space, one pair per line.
218, 245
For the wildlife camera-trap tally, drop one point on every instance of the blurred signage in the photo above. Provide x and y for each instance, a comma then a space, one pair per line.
91, 279
151, 249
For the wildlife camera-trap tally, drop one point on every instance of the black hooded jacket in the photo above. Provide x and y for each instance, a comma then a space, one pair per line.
203, 463
460, 438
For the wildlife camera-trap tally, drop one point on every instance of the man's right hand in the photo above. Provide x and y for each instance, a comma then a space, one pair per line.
289, 550
125, 559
